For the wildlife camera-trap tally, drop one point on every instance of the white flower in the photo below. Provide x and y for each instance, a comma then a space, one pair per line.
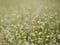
39, 33
39, 38
31, 40
26, 19
57, 31
48, 36
19, 41
40, 26
33, 34
2, 20
15, 26
0, 43
46, 7
29, 37
46, 39
26, 43
33, 20
36, 31
33, 26
18, 24
16, 33
39, 41
21, 26
35, 38
58, 36
21, 31
46, 44
36, 16
32, 44
38, 22
58, 21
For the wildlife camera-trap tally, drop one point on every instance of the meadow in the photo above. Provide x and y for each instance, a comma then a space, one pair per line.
29, 22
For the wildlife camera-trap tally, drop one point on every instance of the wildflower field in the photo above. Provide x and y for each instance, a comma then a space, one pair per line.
29, 22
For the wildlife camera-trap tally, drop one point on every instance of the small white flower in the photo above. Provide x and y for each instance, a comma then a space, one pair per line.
58, 36
33, 34
15, 26
21, 26
2, 20
21, 31
35, 38
0, 43
39, 33
33, 26
46, 44
39, 41
18, 24
16, 33
32, 44
36, 31
46, 39
19, 41
31, 39
26, 19
39, 38
57, 31
58, 21
26, 43
38, 22
46, 7
48, 36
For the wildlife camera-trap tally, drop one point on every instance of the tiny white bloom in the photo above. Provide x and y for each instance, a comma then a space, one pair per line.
32, 44
33, 34
36, 31
26, 43
58, 36
39, 33
46, 44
